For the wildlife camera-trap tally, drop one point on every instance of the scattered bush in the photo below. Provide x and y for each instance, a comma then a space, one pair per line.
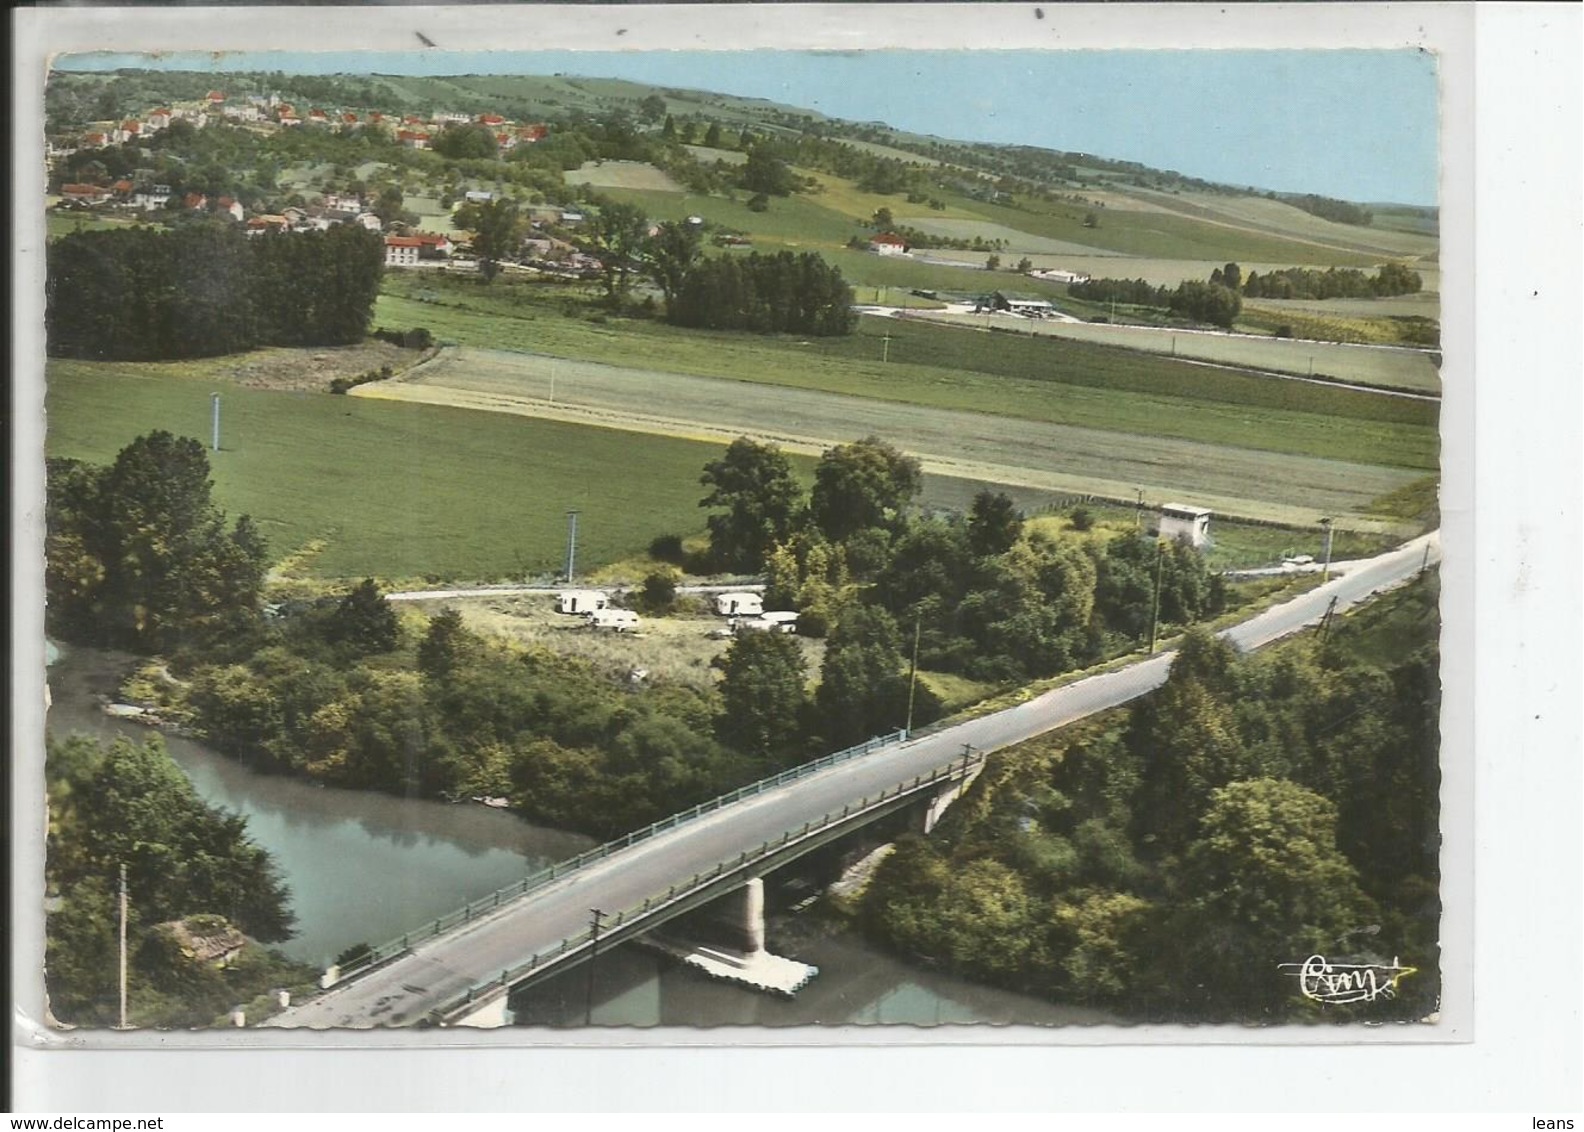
1082, 519
668, 548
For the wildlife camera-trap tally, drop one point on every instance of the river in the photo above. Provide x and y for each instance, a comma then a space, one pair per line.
364, 867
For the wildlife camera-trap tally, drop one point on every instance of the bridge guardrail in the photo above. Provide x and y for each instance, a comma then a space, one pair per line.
377, 956
512, 974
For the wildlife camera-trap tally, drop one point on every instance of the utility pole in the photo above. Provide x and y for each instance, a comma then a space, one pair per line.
885, 350
594, 928
1425, 565
1325, 571
1160, 556
571, 545
123, 1024
214, 405
1138, 514
913, 672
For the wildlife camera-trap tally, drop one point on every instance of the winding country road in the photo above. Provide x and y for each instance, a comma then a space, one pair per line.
445, 967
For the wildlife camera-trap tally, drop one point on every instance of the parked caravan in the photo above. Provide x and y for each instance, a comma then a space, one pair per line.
581, 602
620, 620
784, 620
739, 605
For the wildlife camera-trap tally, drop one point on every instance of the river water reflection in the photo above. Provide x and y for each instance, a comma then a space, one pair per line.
365, 867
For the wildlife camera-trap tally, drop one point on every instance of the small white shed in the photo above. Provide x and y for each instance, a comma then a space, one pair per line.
1182, 520
581, 601
739, 605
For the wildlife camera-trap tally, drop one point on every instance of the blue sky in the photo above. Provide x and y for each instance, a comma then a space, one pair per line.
1360, 125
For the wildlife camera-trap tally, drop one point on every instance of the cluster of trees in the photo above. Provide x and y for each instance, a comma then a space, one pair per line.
987, 599
1326, 208
1216, 302
344, 694
130, 805
786, 292
139, 557
1333, 283
1252, 812
143, 294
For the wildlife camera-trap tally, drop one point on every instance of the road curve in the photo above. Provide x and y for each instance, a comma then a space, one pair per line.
445, 967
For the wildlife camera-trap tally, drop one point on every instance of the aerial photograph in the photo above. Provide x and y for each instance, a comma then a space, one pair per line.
555, 541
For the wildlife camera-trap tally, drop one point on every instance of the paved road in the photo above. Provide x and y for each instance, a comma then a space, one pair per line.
445, 967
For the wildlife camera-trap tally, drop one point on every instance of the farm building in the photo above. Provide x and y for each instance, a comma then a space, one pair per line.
739, 605
1183, 521
888, 244
581, 601
401, 251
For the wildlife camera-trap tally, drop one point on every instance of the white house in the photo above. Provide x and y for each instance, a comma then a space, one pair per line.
739, 605
402, 251
479, 196
581, 601
369, 220
1184, 521
150, 199
888, 244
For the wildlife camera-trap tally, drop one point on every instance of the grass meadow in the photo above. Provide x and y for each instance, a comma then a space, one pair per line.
1037, 379
394, 490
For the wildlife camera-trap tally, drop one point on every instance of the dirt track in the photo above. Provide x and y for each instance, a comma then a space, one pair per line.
974, 446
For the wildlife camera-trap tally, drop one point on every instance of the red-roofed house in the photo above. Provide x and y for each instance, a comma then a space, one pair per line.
214, 97
195, 201
123, 189
491, 120
412, 139
504, 142
259, 225
402, 251
318, 117
95, 140
159, 119
537, 132
84, 194
431, 245
229, 206
349, 119
888, 244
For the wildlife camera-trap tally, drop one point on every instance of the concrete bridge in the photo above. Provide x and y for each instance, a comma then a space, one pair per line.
459, 969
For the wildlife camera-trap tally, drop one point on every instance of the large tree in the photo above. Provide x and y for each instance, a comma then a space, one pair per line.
142, 558
761, 497
864, 484
616, 236
762, 696
1269, 886
672, 252
863, 687
497, 232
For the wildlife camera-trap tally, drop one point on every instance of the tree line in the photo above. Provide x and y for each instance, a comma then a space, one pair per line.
1219, 300
1163, 861
142, 294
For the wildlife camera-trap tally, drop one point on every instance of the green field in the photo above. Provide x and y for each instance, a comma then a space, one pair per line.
397, 491
1040, 379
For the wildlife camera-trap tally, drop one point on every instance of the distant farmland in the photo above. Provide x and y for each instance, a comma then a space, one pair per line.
961, 443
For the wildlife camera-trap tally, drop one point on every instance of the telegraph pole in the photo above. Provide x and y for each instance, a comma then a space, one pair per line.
1138, 514
1325, 571
885, 349
595, 916
913, 672
1160, 548
214, 405
571, 545
123, 1024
